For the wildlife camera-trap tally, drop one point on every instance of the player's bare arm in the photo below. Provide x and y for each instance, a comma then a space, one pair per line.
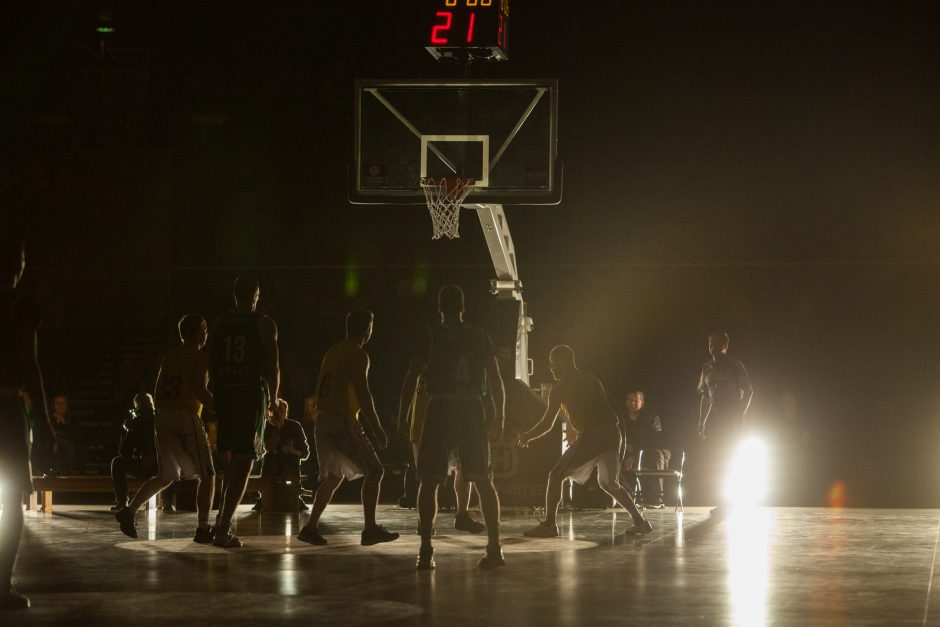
366, 402
495, 430
271, 368
27, 353
199, 381
545, 424
408, 387
702, 416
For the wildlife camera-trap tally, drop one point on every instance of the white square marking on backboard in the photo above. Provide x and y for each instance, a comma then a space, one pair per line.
483, 139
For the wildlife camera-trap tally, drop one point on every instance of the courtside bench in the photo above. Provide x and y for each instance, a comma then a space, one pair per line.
44, 487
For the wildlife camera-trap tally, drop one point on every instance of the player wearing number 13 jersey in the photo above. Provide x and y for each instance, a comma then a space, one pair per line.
244, 372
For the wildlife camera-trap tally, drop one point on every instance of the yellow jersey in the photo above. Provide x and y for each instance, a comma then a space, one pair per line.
175, 381
343, 363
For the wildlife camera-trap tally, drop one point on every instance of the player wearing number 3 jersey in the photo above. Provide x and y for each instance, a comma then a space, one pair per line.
243, 368
343, 450
182, 444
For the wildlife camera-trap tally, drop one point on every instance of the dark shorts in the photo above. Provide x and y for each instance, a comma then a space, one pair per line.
454, 426
242, 413
15, 468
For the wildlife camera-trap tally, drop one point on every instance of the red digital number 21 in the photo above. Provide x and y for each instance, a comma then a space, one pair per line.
448, 18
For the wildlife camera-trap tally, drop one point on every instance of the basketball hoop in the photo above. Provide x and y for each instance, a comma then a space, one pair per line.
444, 196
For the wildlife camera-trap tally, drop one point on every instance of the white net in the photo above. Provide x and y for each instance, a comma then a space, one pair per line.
444, 196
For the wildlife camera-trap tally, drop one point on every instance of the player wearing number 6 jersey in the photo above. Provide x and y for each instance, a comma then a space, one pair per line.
244, 372
182, 444
343, 450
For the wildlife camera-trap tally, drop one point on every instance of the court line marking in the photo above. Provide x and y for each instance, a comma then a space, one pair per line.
933, 565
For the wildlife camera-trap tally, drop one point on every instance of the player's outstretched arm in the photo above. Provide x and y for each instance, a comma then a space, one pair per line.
545, 424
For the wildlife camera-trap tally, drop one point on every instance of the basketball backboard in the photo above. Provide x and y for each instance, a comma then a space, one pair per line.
501, 133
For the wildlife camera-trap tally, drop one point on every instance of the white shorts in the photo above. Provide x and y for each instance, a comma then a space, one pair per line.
182, 446
598, 448
343, 450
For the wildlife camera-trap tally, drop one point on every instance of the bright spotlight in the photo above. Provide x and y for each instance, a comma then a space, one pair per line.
747, 480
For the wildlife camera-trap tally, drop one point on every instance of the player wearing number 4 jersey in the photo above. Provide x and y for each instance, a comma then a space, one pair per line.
182, 444
243, 366
343, 450
457, 360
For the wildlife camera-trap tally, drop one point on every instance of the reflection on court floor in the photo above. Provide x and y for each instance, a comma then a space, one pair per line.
349, 544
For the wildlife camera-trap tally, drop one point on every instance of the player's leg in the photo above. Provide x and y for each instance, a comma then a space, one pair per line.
119, 468
548, 528
608, 463
427, 511
233, 490
369, 461
461, 491
205, 491
553, 497
432, 471
324, 494
11, 530
464, 521
371, 486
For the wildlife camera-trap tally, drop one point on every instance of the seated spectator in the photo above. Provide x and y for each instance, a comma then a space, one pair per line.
642, 431
137, 455
66, 437
286, 446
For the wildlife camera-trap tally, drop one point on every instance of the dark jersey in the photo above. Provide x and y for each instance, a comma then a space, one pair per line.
456, 359
235, 350
18, 311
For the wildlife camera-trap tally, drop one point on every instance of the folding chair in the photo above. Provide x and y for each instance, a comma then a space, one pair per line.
668, 473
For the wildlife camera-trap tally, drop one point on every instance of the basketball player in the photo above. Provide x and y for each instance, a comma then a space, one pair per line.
22, 398
182, 443
583, 397
343, 450
457, 360
726, 393
416, 412
244, 371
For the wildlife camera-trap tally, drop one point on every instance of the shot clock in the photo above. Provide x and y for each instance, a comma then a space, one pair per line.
464, 29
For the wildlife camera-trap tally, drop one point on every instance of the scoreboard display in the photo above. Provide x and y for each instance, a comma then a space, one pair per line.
464, 29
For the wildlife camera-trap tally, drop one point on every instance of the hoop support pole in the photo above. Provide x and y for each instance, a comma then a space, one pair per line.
506, 285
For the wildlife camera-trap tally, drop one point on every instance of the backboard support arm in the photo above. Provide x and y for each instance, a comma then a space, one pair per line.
506, 285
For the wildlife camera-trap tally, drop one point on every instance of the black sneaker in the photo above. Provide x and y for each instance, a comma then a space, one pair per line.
204, 535
492, 559
426, 559
464, 522
13, 600
640, 529
311, 536
659, 505
544, 529
169, 508
302, 506
377, 535
226, 540
126, 518
258, 506
118, 506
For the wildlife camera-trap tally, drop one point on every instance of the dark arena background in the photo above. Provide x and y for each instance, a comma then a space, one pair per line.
767, 170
